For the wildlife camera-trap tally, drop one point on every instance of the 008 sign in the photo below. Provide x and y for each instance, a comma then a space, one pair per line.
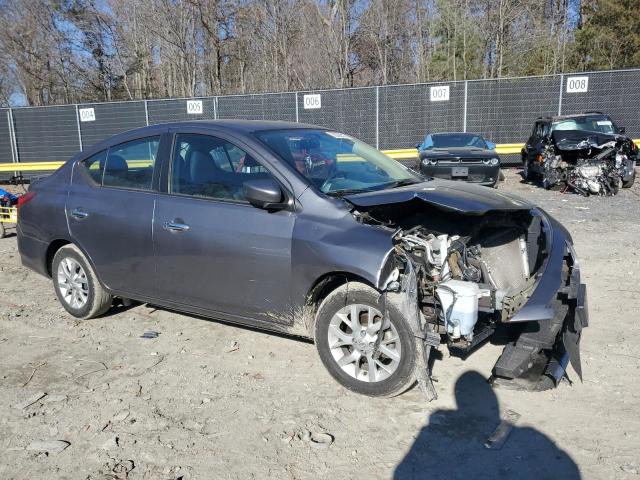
577, 84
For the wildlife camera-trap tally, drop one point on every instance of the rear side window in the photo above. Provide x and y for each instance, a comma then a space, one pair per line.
130, 165
94, 166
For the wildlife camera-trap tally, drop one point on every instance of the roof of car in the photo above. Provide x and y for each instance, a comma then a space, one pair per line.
556, 118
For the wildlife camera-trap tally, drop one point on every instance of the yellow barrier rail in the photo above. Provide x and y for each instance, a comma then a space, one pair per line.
397, 154
8, 214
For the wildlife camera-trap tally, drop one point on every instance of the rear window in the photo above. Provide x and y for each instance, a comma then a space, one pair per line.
127, 165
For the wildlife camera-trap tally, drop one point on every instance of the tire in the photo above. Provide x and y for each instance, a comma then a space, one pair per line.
629, 183
394, 375
527, 174
3, 231
86, 297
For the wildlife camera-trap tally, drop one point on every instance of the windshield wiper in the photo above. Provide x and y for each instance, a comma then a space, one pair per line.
400, 183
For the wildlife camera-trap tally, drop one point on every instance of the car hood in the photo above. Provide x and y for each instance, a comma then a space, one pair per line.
581, 139
447, 195
462, 152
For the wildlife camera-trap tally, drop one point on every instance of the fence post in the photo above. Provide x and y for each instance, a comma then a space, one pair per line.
560, 97
215, 108
378, 117
78, 127
464, 112
297, 115
12, 138
146, 112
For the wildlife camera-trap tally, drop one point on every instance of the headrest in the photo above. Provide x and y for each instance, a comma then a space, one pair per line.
201, 167
114, 163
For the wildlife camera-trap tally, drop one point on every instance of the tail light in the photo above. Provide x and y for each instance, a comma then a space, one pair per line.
25, 198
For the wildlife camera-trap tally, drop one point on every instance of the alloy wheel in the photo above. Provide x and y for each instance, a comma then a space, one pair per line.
363, 343
73, 283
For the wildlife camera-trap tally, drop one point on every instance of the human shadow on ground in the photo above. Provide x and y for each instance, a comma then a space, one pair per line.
451, 445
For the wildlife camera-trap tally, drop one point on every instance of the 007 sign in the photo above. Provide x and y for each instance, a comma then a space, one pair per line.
440, 93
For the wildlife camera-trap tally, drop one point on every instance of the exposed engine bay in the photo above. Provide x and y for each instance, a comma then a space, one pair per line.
473, 273
590, 163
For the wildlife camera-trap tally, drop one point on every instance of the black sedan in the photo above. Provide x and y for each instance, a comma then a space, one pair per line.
460, 156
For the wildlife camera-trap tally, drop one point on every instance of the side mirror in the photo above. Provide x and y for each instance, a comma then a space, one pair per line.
263, 193
417, 146
490, 145
622, 129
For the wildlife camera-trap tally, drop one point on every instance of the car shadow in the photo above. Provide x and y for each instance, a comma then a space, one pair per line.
452, 444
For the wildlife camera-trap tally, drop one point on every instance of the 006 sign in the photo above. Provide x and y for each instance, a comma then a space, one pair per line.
194, 107
312, 101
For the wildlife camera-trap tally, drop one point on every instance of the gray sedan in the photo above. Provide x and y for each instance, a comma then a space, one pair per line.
310, 232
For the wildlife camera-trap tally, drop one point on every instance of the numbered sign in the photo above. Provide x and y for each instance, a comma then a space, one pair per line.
87, 115
577, 84
312, 101
194, 107
440, 93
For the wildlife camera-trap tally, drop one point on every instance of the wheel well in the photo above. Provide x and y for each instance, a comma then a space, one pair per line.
326, 284
51, 251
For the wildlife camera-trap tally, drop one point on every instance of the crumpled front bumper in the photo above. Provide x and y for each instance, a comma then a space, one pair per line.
553, 317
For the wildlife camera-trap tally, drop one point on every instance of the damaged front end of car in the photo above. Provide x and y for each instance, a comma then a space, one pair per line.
588, 162
475, 268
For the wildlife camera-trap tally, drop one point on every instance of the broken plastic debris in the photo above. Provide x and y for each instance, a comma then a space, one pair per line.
233, 346
49, 446
30, 401
150, 334
497, 438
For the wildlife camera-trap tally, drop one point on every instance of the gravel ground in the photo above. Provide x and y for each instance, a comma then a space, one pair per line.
210, 400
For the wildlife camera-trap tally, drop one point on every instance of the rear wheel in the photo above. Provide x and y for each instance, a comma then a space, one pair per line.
3, 231
362, 350
76, 284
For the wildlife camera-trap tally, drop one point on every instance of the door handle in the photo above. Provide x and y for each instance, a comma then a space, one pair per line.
79, 214
175, 226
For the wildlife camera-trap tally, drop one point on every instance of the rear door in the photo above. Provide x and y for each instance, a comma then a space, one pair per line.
214, 250
110, 212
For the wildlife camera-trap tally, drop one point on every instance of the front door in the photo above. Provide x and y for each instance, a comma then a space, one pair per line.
110, 211
214, 250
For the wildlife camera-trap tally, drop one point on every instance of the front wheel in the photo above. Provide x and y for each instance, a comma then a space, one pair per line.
629, 183
76, 284
362, 350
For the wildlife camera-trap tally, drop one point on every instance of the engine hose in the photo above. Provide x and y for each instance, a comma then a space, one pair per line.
447, 314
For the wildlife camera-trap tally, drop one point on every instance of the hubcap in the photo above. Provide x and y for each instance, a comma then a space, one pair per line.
72, 283
363, 344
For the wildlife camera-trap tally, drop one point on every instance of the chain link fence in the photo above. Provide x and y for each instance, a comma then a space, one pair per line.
389, 117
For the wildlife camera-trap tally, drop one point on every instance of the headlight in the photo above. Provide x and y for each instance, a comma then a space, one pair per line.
433, 161
486, 161
495, 161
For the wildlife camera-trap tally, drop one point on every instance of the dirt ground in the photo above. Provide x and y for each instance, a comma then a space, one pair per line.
206, 400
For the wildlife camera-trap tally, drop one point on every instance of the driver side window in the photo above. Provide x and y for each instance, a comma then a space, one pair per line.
210, 167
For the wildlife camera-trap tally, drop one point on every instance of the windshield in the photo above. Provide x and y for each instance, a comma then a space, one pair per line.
456, 140
336, 163
592, 123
